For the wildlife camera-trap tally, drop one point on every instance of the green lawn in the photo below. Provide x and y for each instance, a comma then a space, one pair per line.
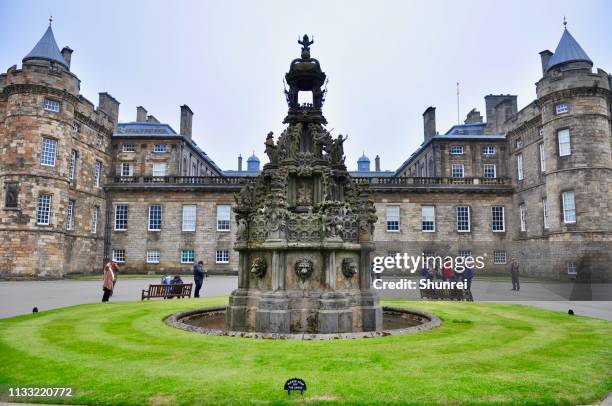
122, 353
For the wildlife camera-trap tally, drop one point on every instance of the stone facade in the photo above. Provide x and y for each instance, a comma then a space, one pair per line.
475, 164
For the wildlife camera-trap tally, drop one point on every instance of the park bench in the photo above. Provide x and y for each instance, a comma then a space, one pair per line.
447, 294
167, 291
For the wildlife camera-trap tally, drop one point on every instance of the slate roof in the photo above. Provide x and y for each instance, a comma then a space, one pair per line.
47, 49
161, 130
568, 50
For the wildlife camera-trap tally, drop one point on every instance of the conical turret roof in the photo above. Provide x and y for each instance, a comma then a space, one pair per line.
47, 49
568, 50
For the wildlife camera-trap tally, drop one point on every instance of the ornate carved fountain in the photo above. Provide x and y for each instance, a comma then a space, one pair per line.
305, 229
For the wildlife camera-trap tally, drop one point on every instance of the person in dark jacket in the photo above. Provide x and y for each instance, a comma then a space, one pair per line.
176, 280
199, 273
514, 272
468, 274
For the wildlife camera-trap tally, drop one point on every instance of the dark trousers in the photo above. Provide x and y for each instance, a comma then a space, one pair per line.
469, 283
515, 283
107, 294
198, 285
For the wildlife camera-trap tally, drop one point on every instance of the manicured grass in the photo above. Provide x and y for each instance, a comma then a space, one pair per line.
122, 353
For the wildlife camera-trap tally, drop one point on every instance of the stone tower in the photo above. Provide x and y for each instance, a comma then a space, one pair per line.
55, 158
304, 228
575, 106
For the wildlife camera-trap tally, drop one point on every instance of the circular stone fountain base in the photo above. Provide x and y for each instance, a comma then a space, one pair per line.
396, 321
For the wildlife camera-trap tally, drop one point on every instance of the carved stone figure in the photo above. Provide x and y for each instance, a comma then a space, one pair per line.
338, 149
271, 149
12, 195
259, 267
349, 267
304, 268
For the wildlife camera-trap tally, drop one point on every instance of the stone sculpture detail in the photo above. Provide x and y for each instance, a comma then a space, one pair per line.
299, 214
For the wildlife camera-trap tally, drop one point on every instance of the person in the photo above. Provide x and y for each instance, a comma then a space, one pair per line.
447, 272
199, 273
425, 273
468, 274
109, 279
176, 280
514, 272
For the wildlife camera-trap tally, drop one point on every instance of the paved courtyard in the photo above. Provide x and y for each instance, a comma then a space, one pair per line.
20, 297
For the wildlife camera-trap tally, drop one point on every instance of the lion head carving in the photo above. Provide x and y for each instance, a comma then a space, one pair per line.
259, 266
304, 268
349, 267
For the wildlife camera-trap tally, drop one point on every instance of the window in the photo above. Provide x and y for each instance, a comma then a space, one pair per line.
222, 257
519, 166
187, 256
428, 219
456, 150
499, 257
189, 218
497, 219
463, 219
52, 105
457, 170
490, 171
194, 170
153, 257
545, 212
522, 215
465, 253
119, 256
99, 140
11, 196
155, 217
223, 217
129, 148
565, 147
160, 148
488, 150
569, 208
393, 218
76, 127
97, 169
542, 158
43, 214
561, 108
541, 131
94, 220
70, 215
49, 149
73, 158
121, 217
159, 169
571, 268
127, 169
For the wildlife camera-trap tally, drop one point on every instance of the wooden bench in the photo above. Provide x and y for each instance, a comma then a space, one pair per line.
447, 294
167, 291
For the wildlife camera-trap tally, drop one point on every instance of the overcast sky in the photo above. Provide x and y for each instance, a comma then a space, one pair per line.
386, 60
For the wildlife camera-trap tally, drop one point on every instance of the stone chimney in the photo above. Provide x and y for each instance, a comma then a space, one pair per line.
67, 54
499, 108
473, 117
141, 114
186, 121
544, 58
151, 119
429, 123
377, 163
240, 162
109, 105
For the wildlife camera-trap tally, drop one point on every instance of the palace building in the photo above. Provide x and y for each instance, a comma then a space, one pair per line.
77, 186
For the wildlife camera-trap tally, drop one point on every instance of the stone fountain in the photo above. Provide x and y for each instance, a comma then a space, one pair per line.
305, 228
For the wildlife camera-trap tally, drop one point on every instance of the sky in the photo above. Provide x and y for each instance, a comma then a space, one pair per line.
386, 61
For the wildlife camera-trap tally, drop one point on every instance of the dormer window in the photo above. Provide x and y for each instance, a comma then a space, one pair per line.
53, 67
561, 108
52, 105
456, 150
